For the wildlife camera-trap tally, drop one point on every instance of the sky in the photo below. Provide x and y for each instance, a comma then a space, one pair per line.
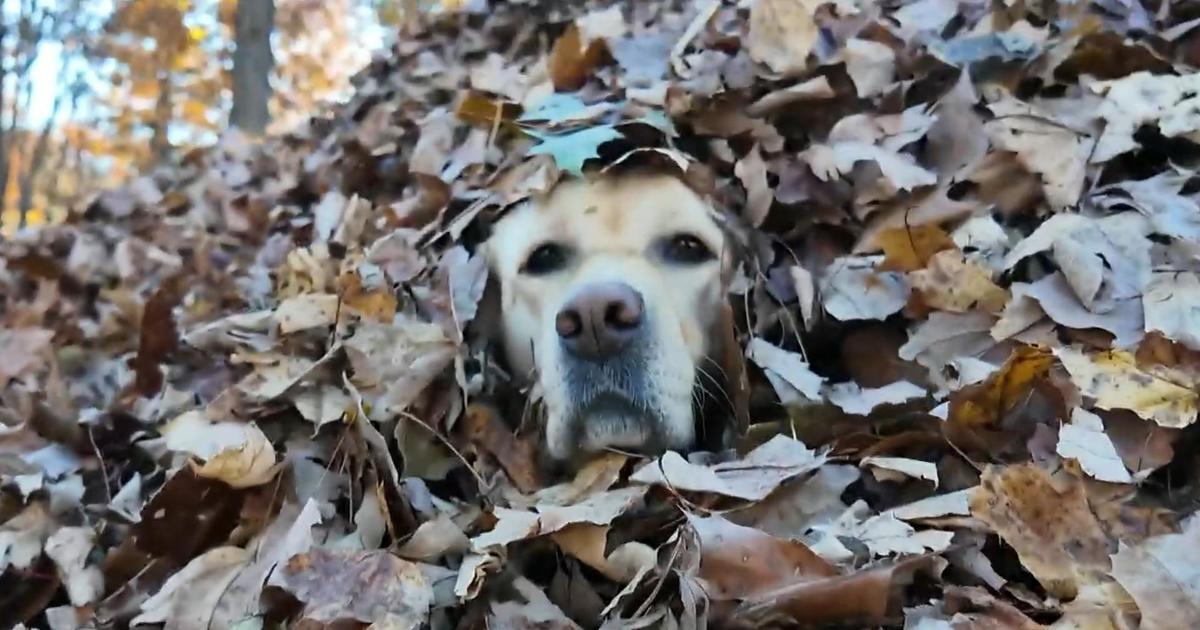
46, 68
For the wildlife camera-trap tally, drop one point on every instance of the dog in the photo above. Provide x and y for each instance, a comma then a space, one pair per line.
613, 300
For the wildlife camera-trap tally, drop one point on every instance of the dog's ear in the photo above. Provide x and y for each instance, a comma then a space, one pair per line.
485, 327
733, 364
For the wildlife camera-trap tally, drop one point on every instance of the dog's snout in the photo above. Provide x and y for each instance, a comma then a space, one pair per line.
601, 320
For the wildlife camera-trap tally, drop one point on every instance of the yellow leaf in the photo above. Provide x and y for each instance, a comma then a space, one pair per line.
1115, 381
478, 109
953, 283
145, 89
910, 248
986, 403
195, 112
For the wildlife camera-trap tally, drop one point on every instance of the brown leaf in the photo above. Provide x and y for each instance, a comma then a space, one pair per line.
364, 586
571, 61
479, 109
187, 515
158, 335
1052, 529
739, 562
517, 455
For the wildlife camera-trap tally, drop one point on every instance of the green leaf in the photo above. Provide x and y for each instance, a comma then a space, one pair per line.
571, 150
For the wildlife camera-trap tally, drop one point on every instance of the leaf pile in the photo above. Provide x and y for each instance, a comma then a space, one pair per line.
250, 390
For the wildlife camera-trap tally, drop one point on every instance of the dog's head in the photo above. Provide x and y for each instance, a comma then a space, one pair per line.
612, 293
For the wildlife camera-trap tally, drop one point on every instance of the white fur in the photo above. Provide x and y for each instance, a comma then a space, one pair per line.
613, 224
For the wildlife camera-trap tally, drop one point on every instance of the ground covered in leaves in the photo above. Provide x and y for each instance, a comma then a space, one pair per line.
246, 391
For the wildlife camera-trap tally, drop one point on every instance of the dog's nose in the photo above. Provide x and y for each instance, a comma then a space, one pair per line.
601, 320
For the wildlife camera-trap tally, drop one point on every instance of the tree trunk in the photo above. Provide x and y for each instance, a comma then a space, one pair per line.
37, 160
252, 62
164, 110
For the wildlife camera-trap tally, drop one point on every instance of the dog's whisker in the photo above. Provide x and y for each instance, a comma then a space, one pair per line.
714, 363
717, 384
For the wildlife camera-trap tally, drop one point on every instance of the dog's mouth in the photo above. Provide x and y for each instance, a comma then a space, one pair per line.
613, 420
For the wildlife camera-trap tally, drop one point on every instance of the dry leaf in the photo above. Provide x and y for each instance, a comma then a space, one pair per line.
871, 66
363, 586
910, 467
1170, 304
911, 248
69, 547
188, 598
986, 403
782, 32
1160, 574
1053, 531
752, 172
953, 283
738, 562
752, 478
789, 367
1115, 381
1084, 440
852, 289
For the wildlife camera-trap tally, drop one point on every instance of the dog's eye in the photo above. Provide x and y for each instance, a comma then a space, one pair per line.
687, 249
546, 258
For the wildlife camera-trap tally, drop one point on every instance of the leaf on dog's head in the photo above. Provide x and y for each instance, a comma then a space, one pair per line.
571, 150
251, 463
